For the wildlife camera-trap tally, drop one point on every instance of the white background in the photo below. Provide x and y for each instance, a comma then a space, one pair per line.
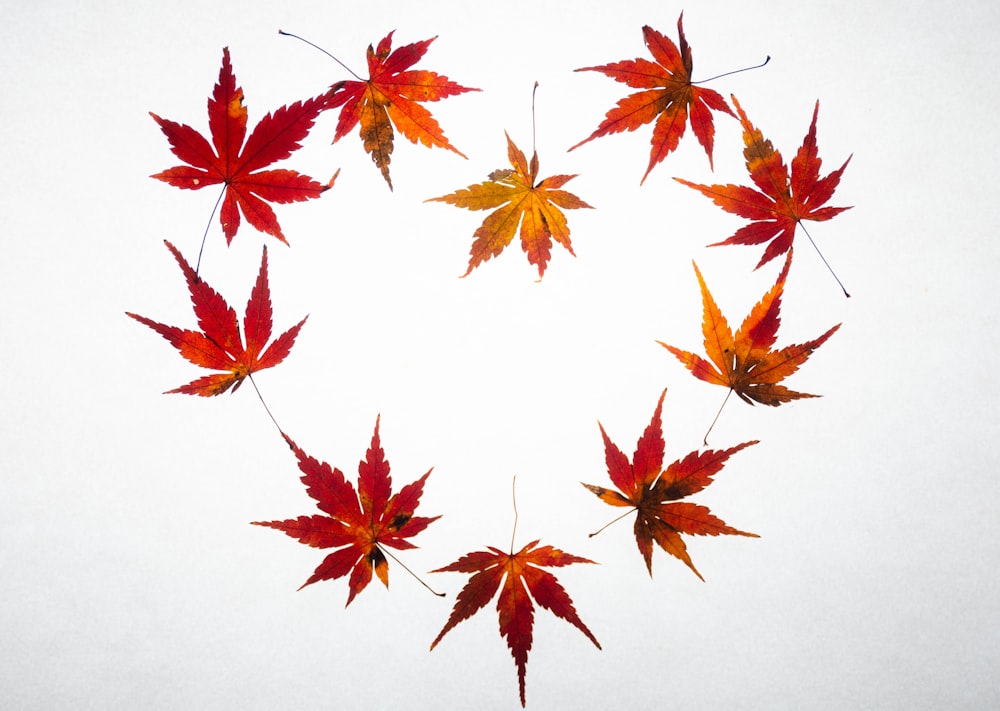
129, 576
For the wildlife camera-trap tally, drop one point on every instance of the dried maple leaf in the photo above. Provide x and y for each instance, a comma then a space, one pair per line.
517, 199
248, 188
517, 571
390, 94
668, 96
745, 363
218, 345
782, 201
359, 524
649, 488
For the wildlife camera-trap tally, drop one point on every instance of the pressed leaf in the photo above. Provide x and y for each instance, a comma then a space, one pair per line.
745, 362
780, 201
517, 199
219, 346
522, 579
390, 94
358, 523
667, 97
248, 188
652, 490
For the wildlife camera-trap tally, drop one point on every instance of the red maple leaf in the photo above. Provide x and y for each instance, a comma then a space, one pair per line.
781, 201
653, 491
359, 523
218, 345
517, 571
248, 188
391, 94
668, 96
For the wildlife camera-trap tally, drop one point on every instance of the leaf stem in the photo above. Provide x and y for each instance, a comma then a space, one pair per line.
735, 71
204, 237
705, 440
614, 520
813, 243
513, 496
402, 565
534, 91
303, 39
266, 408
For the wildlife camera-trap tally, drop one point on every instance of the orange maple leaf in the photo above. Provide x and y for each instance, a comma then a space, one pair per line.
359, 523
218, 345
650, 489
669, 97
390, 94
745, 363
247, 186
782, 201
520, 575
520, 200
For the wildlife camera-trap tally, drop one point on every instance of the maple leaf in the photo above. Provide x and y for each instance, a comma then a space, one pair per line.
517, 571
359, 523
218, 345
517, 198
781, 201
391, 94
668, 96
652, 490
744, 362
248, 188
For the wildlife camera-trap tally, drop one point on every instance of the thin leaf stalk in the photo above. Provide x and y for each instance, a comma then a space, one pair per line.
813, 243
266, 408
735, 71
614, 520
316, 46
385, 551
705, 440
204, 236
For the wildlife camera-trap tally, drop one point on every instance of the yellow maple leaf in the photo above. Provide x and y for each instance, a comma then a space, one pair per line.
516, 199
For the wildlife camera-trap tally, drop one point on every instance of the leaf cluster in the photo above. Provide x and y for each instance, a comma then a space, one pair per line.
361, 524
